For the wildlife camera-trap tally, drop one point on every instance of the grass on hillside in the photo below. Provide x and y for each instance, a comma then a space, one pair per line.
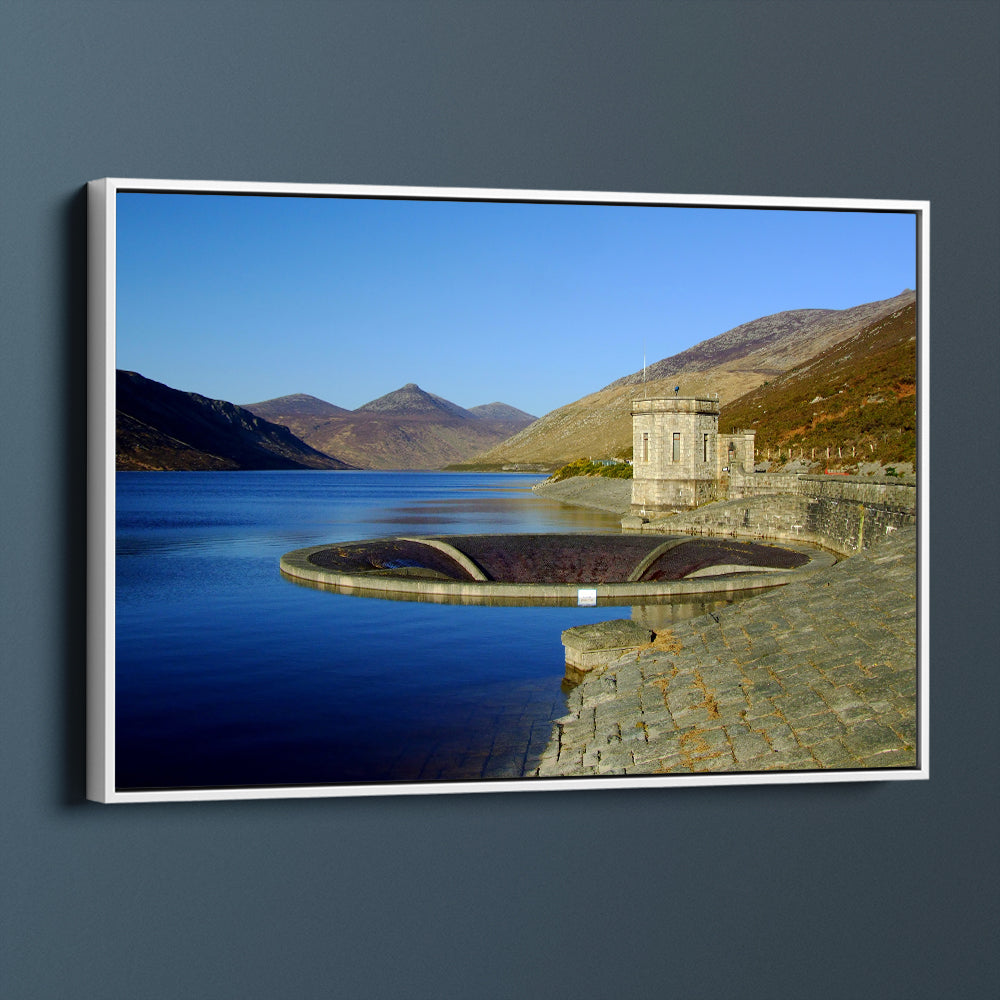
586, 467
858, 400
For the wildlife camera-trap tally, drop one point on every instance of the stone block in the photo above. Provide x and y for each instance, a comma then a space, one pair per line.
591, 646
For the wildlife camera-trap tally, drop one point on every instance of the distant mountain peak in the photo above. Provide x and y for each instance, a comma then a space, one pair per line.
501, 411
411, 400
298, 404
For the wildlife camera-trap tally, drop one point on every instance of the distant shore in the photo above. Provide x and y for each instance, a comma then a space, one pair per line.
595, 492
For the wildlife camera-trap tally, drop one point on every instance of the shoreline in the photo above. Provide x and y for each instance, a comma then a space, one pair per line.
614, 496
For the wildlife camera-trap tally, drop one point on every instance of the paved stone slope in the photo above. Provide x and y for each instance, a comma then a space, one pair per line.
818, 674
597, 492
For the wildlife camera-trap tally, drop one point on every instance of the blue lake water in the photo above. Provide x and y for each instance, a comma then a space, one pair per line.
228, 674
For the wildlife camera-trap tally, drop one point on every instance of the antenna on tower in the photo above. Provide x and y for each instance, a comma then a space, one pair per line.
644, 369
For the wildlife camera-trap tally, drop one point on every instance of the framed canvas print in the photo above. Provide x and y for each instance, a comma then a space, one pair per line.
421, 490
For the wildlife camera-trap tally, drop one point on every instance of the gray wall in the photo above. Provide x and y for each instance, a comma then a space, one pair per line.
874, 890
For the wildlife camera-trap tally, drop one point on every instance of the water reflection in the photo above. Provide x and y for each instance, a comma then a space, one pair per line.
656, 612
660, 615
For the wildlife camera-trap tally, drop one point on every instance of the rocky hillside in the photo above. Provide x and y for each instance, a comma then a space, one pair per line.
731, 364
160, 428
772, 343
408, 428
853, 404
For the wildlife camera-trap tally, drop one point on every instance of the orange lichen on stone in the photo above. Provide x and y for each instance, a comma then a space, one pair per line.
667, 642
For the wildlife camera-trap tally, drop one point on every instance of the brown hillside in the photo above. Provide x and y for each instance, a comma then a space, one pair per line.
735, 362
162, 428
857, 399
773, 343
377, 441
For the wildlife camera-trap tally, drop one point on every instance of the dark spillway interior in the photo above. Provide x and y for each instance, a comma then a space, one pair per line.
551, 558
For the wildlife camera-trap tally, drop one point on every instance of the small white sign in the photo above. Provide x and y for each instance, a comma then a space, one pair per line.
586, 598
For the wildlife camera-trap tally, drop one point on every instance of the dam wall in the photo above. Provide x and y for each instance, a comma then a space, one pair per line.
758, 484
843, 515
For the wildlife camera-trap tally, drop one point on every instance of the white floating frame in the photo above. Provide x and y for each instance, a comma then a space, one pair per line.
102, 197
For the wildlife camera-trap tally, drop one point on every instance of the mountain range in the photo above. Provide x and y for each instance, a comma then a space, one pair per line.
162, 428
729, 365
409, 428
803, 379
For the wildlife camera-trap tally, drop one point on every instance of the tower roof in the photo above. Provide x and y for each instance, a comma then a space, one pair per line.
676, 404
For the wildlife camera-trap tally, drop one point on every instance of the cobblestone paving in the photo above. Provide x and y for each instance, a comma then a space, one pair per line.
817, 674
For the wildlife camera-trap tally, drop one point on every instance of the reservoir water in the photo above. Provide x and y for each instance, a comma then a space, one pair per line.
228, 674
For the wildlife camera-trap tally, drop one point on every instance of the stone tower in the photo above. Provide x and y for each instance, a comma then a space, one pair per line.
679, 458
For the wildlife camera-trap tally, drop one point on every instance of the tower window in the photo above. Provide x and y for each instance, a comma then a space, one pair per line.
704, 448
645, 446
676, 455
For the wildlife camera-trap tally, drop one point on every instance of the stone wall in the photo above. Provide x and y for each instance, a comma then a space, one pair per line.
895, 496
773, 517
846, 516
761, 484
734, 452
853, 525
666, 494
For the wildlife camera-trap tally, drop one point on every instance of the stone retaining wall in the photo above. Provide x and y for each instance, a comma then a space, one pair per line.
853, 526
760, 484
843, 515
892, 496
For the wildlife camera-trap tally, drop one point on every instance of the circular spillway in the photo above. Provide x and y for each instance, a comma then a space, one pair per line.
544, 569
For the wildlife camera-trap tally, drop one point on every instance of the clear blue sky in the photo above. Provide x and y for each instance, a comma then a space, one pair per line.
248, 298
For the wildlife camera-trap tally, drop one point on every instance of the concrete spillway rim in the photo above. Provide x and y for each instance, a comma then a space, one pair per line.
723, 579
636, 575
461, 558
